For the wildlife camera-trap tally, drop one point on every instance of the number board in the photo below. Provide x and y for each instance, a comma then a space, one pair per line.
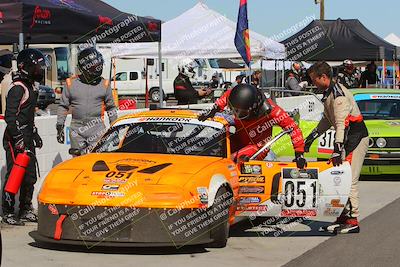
300, 188
326, 141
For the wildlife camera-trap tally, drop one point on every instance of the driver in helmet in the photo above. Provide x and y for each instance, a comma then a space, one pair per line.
347, 75
21, 133
183, 89
88, 96
254, 116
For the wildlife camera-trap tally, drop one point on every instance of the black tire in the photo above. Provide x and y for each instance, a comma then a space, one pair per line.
154, 95
220, 228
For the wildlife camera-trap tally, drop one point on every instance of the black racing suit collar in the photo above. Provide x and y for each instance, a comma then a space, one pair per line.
89, 81
328, 91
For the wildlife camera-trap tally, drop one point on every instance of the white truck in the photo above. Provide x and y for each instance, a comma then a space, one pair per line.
133, 83
130, 79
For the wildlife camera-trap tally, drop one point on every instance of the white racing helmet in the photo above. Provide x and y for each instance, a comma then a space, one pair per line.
187, 68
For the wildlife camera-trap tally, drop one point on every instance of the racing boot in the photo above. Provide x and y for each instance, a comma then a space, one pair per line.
11, 219
331, 228
28, 216
348, 227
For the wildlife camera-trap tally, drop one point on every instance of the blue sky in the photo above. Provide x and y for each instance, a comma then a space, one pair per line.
271, 17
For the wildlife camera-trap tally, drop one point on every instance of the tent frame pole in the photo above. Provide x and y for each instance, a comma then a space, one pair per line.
20, 41
160, 87
262, 73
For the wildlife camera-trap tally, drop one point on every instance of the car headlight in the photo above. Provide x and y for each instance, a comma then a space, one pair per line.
371, 142
381, 142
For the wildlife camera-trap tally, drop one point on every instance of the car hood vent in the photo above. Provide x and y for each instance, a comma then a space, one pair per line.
125, 168
100, 166
154, 169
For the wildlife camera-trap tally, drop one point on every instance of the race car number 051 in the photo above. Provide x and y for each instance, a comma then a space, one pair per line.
325, 142
118, 174
300, 193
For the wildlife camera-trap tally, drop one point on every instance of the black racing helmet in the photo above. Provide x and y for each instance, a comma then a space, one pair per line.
90, 63
32, 64
247, 102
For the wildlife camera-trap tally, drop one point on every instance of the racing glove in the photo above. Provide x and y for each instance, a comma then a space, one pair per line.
37, 140
19, 143
301, 162
310, 139
208, 113
336, 157
60, 133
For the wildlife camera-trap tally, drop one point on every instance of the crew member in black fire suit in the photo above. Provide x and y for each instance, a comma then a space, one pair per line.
183, 88
21, 133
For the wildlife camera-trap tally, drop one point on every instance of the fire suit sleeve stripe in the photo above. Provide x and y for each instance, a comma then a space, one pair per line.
13, 100
180, 87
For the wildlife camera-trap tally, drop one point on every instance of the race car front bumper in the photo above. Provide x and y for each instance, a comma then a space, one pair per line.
121, 226
380, 162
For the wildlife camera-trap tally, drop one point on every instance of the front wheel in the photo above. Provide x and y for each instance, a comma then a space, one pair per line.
220, 211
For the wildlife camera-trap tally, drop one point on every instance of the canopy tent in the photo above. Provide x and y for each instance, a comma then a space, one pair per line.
335, 40
201, 32
68, 22
56, 21
393, 39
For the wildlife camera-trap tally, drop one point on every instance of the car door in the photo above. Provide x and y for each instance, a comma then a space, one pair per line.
136, 86
122, 83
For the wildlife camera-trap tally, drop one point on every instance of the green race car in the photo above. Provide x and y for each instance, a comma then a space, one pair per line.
381, 112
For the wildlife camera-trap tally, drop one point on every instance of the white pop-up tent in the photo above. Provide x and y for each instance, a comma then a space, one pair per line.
200, 32
393, 39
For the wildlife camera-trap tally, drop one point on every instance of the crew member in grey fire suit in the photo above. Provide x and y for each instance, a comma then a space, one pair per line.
87, 97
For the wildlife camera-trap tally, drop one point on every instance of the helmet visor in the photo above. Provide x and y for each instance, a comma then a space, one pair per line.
241, 114
44, 62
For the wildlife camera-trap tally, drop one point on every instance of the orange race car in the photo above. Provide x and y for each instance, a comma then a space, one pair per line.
162, 178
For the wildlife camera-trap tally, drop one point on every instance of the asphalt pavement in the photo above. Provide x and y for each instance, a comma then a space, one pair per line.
251, 243
376, 245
